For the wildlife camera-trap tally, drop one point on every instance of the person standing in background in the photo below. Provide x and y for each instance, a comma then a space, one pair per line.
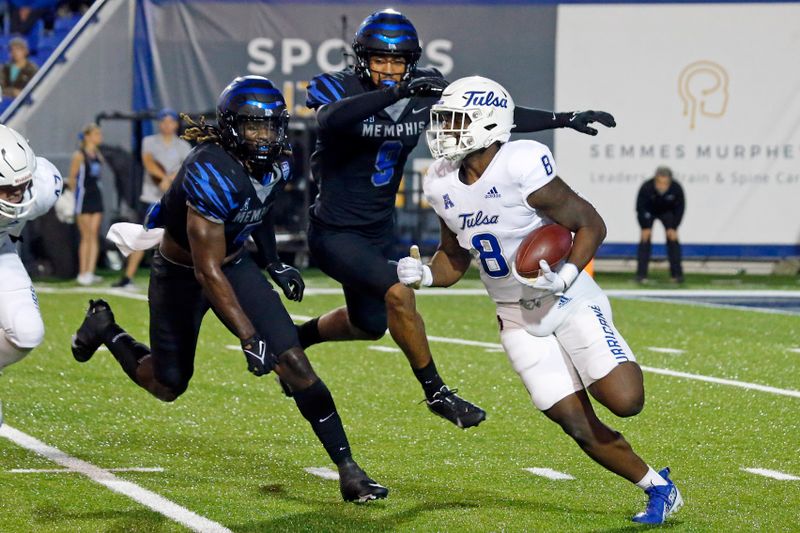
85, 179
16, 74
660, 198
162, 156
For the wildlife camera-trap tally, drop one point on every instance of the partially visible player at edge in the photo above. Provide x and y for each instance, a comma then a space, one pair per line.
370, 118
222, 194
29, 186
557, 330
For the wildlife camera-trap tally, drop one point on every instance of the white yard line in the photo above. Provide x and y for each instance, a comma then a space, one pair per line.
673, 351
465, 342
549, 473
774, 474
794, 350
104, 477
384, 348
323, 472
70, 471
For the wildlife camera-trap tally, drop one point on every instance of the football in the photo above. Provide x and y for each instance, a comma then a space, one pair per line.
551, 243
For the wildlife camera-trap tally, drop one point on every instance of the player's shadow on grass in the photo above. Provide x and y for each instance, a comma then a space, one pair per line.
332, 515
641, 527
107, 521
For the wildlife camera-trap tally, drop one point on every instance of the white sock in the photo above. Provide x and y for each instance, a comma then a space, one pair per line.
651, 479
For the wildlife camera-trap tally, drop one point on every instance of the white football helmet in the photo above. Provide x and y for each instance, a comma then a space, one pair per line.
472, 114
17, 165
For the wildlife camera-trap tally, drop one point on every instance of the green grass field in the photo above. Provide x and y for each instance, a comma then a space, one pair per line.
233, 449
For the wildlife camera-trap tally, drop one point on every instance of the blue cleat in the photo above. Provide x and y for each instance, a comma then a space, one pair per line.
664, 500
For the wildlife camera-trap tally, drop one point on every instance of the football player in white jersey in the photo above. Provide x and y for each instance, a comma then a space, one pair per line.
557, 330
29, 186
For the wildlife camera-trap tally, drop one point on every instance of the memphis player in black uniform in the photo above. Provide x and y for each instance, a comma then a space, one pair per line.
222, 194
370, 118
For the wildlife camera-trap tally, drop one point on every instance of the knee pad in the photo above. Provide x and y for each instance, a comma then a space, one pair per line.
27, 328
174, 379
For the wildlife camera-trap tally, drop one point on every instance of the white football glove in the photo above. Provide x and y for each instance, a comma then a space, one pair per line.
549, 282
412, 273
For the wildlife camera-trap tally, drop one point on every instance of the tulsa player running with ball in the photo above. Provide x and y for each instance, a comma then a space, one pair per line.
370, 118
29, 186
557, 330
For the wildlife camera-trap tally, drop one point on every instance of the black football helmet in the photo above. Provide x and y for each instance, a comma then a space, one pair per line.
255, 102
386, 32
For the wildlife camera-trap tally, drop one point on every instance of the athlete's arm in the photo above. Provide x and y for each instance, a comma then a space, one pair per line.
450, 261
152, 167
353, 109
528, 120
207, 243
74, 168
558, 202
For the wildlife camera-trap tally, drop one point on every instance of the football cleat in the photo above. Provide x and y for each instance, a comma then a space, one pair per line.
357, 486
447, 404
89, 336
663, 501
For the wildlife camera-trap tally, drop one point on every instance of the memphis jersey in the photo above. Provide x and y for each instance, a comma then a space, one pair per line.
218, 187
47, 186
492, 216
358, 169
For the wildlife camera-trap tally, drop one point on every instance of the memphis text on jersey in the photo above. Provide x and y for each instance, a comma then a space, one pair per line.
414, 128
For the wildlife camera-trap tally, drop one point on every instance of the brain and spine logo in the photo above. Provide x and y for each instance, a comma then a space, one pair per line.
703, 87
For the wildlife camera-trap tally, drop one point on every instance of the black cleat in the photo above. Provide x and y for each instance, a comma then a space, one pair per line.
447, 404
89, 336
357, 486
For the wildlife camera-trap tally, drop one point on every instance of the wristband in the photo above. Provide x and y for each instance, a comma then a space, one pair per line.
569, 273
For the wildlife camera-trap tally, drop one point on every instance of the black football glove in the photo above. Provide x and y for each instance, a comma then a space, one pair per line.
289, 279
427, 86
580, 120
259, 360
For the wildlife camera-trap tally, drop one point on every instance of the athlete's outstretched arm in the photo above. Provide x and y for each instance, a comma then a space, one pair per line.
561, 204
450, 261
207, 243
353, 109
528, 120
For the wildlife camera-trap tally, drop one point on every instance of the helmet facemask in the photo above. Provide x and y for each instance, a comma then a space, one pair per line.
261, 140
16, 210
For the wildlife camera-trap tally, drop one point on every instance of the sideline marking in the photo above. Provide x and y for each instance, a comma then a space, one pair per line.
794, 350
70, 471
673, 351
149, 499
774, 474
549, 473
323, 472
663, 371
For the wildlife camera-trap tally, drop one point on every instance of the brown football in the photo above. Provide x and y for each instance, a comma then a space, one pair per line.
551, 243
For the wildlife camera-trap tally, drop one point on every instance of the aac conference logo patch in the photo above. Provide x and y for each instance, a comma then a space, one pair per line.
703, 88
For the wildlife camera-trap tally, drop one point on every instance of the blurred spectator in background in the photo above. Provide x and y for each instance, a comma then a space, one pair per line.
162, 155
26, 13
85, 179
660, 198
18, 72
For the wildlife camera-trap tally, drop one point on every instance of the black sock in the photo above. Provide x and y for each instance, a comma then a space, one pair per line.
308, 333
674, 256
643, 258
429, 378
316, 405
125, 349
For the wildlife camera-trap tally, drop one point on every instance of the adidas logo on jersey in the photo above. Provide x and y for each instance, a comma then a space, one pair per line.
492, 193
564, 300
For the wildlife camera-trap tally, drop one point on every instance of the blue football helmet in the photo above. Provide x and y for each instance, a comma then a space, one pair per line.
386, 32
253, 102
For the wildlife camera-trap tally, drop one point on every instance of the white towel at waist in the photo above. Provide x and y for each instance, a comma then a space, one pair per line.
134, 237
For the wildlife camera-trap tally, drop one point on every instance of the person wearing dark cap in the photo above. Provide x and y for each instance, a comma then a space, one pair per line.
660, 198
16, 74
162, 155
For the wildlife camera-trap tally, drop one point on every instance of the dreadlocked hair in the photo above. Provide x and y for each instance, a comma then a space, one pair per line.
200, 132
